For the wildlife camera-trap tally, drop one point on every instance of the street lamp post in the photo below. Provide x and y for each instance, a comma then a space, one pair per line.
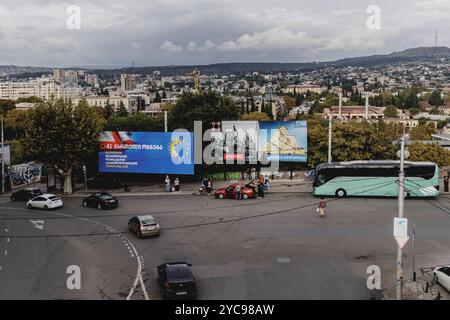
330, 124
3, 158
401, 200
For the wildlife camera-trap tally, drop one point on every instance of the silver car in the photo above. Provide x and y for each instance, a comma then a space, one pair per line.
143, 226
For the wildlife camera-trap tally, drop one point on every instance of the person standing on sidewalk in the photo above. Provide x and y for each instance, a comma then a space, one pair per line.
446, 182
167, 183
238, 192
177, 184
322, 206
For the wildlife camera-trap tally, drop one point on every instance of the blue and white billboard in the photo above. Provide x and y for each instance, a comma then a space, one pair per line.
146, 152
283, 141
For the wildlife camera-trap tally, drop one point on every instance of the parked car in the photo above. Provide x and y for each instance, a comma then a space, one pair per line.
176, 280
25, 194
45, 201
247, 192
143, 226
101, 200
103, 181
441, 275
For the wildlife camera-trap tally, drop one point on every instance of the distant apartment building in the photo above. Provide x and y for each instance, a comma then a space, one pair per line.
127, 82
101, 101
91, 79
354, 113
59, 74
71, 76
303, 88
43, 88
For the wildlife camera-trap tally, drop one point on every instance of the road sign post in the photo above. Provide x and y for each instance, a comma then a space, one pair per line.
401, 224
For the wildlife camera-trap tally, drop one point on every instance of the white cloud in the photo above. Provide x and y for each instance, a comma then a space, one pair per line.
274, 39
169, 46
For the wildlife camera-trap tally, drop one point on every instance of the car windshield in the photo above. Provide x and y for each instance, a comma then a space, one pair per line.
106, 196
147, 221
179, 272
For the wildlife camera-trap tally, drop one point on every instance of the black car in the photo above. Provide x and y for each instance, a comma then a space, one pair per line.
103, 181
176, 280
25, 194
101, 200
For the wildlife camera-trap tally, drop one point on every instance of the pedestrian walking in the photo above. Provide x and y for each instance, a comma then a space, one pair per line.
209, 187
177, 184
267, 182
446, 182
167, 183
321, 207
238, 192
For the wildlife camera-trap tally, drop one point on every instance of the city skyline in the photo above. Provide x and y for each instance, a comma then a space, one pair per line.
115, 33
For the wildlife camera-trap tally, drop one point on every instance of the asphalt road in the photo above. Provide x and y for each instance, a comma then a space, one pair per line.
271, 248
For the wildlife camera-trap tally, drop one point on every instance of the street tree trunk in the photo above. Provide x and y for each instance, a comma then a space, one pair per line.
67, 180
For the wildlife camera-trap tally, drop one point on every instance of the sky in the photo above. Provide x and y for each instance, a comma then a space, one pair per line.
195, 32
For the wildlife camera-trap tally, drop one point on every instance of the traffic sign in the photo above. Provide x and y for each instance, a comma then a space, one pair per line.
399, 154
401, 231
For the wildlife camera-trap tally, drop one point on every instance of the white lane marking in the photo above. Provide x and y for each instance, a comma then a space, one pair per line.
6, 252
1, 268
7, 239
6, 230
39, 224
138, 279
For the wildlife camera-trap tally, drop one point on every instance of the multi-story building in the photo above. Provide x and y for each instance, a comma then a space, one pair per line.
101, 101
127, 82
59, 74
354, 113
44, 88
302, 89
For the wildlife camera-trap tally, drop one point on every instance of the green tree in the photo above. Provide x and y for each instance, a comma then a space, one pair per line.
121, 110
62, 135
435, 98
391, 112
6, 105
206, 107
421, 132
258, 116
108, 110
429, 152
157, 97
351, 141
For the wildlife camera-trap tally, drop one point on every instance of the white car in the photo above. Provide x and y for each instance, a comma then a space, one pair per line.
441, 275
45, 201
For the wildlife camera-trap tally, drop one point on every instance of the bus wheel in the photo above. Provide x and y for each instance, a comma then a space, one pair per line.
341, 193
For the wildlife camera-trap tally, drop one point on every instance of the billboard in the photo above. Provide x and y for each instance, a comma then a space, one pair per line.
25, 174
235, 140
283, 141
146, 152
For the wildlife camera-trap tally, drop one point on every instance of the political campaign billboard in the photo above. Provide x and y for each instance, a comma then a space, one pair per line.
283, 141
146, 152
235, 140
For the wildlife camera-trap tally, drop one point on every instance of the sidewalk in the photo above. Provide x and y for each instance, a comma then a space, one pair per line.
157, 189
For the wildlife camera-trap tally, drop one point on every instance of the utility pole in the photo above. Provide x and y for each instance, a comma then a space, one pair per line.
330, 124
340, 106
401, 199
165, 121
3, 159
367, 106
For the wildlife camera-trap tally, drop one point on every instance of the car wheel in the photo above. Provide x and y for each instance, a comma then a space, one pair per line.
46, 207
99, 207
29, 206
13, 199
139, 234
245, 196
435, 279
341, 193
220, 196
84, 204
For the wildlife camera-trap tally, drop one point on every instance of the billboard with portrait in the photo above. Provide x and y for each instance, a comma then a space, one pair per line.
235, 140
284, 141
146, 152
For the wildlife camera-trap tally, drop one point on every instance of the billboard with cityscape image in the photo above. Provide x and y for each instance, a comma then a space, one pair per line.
284, 141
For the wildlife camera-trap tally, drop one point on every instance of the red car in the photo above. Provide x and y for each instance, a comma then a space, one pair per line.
247, 192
